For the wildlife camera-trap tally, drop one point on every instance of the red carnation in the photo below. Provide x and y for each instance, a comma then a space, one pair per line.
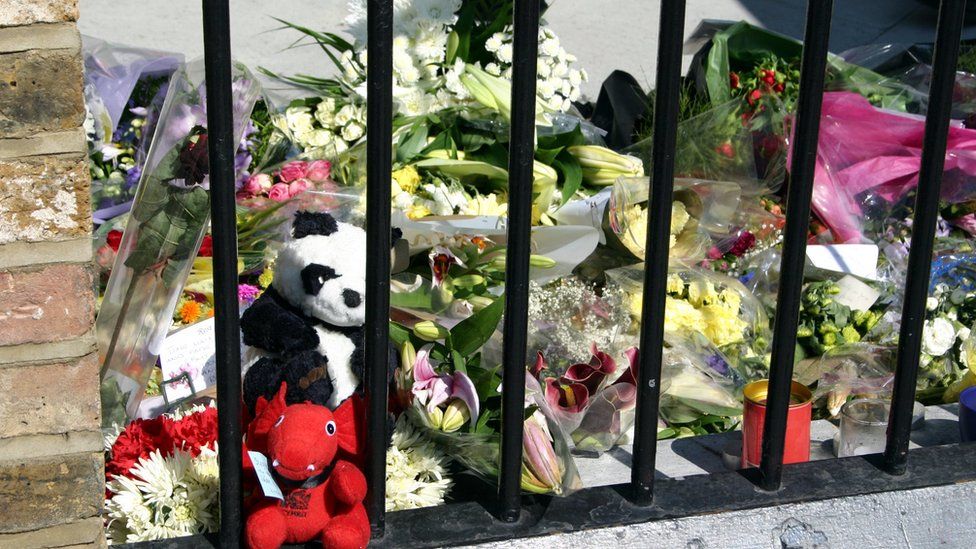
195, 431
114, 239
778, 88
745, 241
139, 439
769, 77
206, 247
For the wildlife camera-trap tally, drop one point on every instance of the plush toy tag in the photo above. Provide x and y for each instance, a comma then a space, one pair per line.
268, 485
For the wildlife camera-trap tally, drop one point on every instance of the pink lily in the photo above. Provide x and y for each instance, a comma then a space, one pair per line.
432, 389
441, 261
571, 398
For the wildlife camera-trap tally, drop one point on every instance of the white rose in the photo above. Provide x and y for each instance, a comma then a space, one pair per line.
963, 333
352, 132
345, 115
560, 70
299, 120
318, 138
938, 336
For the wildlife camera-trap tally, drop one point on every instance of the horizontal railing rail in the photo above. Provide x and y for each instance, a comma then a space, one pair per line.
641, 500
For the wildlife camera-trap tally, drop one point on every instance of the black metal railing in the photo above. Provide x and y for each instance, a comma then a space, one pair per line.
631, 503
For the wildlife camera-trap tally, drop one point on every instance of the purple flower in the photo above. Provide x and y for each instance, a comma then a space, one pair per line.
432, 389
132, 177
717, 363
246, 293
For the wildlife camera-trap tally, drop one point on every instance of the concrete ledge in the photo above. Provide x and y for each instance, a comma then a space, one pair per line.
18, 355
55, 36
928, 517
70, 142
22, 254
46, 445
87, 533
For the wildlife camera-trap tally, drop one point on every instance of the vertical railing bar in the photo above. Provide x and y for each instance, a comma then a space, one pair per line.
521, 156
223, 226
932, 163
668, 89
379, 151
805, 134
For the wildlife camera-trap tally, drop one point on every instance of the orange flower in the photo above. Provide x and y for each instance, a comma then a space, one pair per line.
210, 313
190, 312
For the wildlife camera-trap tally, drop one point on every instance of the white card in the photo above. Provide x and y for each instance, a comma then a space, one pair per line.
268, 485
860, 260
191, 351
856, 294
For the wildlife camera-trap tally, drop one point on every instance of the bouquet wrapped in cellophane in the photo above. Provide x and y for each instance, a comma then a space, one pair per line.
167, 223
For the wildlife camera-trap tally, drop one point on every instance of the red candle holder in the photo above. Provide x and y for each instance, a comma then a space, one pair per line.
797, 446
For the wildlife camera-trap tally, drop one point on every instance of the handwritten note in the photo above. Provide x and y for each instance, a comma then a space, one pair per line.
189, 351
268, 484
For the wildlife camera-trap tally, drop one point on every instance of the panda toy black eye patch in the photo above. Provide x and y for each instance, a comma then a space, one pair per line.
313, 223
314, 276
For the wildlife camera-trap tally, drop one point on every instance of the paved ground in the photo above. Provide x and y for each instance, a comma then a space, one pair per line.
604, 34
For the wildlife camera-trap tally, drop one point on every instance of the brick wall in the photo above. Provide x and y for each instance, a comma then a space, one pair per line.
51, 470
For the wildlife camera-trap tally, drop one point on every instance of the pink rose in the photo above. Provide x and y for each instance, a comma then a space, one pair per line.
279, 192
292, 171
319, 171
298, 186
258, 184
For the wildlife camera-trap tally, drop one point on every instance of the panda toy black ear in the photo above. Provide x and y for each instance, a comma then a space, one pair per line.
395, 235
313, 223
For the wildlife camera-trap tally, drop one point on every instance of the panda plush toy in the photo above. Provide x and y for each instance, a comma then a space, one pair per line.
307, 328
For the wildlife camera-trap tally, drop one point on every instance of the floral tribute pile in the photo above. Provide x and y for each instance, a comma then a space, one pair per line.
449, 189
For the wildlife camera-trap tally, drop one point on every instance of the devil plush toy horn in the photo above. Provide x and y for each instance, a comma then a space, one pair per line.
312, 453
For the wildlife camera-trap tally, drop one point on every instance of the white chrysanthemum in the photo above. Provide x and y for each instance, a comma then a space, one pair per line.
505, 53
494, 69
550, 47
494, 43
166, 497
447, 200
938, 336
416, 471
452, 80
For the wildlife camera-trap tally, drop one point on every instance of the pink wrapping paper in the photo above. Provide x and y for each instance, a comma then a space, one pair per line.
868, 153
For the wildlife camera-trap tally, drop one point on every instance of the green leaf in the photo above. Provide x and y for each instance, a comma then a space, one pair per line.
399, 334
463, 168
473, 332
412, 142
571, 174
458, 361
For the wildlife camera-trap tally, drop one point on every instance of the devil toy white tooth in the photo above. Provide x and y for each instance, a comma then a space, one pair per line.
274, 463
311, 467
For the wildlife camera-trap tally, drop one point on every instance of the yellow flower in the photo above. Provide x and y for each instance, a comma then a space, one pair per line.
408, 178
266, 278
485, 205
675, 284
722, 325
417, 211
679, 217
681, 316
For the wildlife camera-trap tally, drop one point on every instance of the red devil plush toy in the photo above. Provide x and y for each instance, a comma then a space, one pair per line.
309, 448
